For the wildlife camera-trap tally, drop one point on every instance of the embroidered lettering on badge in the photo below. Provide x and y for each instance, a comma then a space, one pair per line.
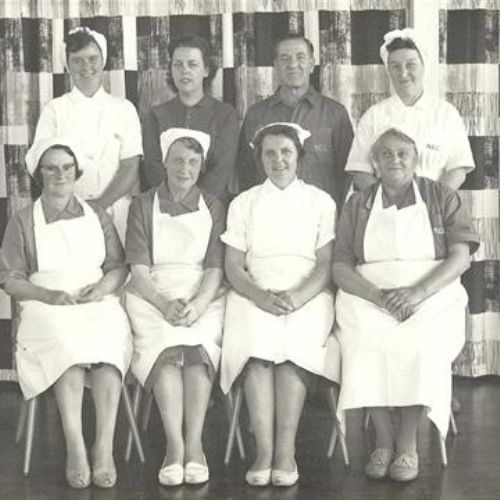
434, 147
438, 230
322, 147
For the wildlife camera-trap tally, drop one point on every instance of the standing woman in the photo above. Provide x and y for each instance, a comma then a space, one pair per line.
105, 128
175, 300
279, 314
192, 70
402, 246
63, 261
435, 123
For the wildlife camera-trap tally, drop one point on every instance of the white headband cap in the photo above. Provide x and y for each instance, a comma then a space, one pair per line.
171, 135
302, 133
98, 38
405, 34
402, 130
38, 148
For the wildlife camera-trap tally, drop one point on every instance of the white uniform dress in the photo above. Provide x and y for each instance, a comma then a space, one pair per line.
280, 231
385, 362
179, 247
434, 123
52, 338
106, 129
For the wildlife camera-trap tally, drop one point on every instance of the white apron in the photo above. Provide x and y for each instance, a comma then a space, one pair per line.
179, 248
52, 338
279, 232
385, 362
91, 123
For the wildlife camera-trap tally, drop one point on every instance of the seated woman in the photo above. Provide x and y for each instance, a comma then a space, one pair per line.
279, 314
62, 260
175, 301
402, 245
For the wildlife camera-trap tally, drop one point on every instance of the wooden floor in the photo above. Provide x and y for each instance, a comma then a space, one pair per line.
473, 472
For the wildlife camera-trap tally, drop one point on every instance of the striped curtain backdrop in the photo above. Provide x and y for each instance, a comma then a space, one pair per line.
469, 71
346, 35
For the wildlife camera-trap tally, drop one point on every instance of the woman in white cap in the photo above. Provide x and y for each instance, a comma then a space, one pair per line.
105, 128
62, 260
436, 124
279, 314
175, 300
402, 245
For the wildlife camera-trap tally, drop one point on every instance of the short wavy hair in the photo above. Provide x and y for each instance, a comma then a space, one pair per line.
403, 43
195, 42
278, 129
37, 174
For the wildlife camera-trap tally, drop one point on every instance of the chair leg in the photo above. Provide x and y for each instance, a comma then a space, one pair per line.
442, 450
146, 414
30, 430
366, 421
135, 409
133, 424
337, 430
239, 438
233, 425
21, 420
453, 424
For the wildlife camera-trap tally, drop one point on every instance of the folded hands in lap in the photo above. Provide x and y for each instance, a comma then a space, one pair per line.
402, 302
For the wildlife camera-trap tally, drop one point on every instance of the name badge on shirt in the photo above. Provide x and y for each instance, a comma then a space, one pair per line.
434, 147
438, 230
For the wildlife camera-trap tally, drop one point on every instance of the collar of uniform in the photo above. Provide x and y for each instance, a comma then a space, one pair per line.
72, 209
191, 200
204, 102
422, 103
270, 188
409, 198
78, 96
312, 96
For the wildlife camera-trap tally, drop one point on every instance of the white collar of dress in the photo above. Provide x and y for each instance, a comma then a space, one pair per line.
78, 96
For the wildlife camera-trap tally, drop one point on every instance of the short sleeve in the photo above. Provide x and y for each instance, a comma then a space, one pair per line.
344, 243
237, 225
458, 226
13, 259
460, 154
115, 256
215, 250
327, 220
131, 144
138, 238
359, 156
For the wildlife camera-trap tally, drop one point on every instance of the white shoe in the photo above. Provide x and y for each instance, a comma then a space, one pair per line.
171, 475
196, 473
258, 477
284, 478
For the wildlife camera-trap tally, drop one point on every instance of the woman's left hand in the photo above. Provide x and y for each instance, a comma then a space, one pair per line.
90, 293
190, 313
404, 298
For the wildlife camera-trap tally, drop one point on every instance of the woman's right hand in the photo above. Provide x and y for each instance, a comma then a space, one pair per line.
173, 310
274, 303
59, 298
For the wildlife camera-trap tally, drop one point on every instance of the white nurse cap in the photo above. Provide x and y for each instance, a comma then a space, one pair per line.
405, 34
98, 38
171, 135
38, 148
302, 133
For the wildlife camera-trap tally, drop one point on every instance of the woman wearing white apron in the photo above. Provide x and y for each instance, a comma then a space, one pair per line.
402, 245
106, 128
63, 261
279, 314
175, 301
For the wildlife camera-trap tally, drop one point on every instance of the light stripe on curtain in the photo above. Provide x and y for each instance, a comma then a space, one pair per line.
469, 72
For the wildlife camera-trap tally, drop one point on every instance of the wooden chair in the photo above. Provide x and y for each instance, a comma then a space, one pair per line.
337, 431
27, 418
146, 415
442, 439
